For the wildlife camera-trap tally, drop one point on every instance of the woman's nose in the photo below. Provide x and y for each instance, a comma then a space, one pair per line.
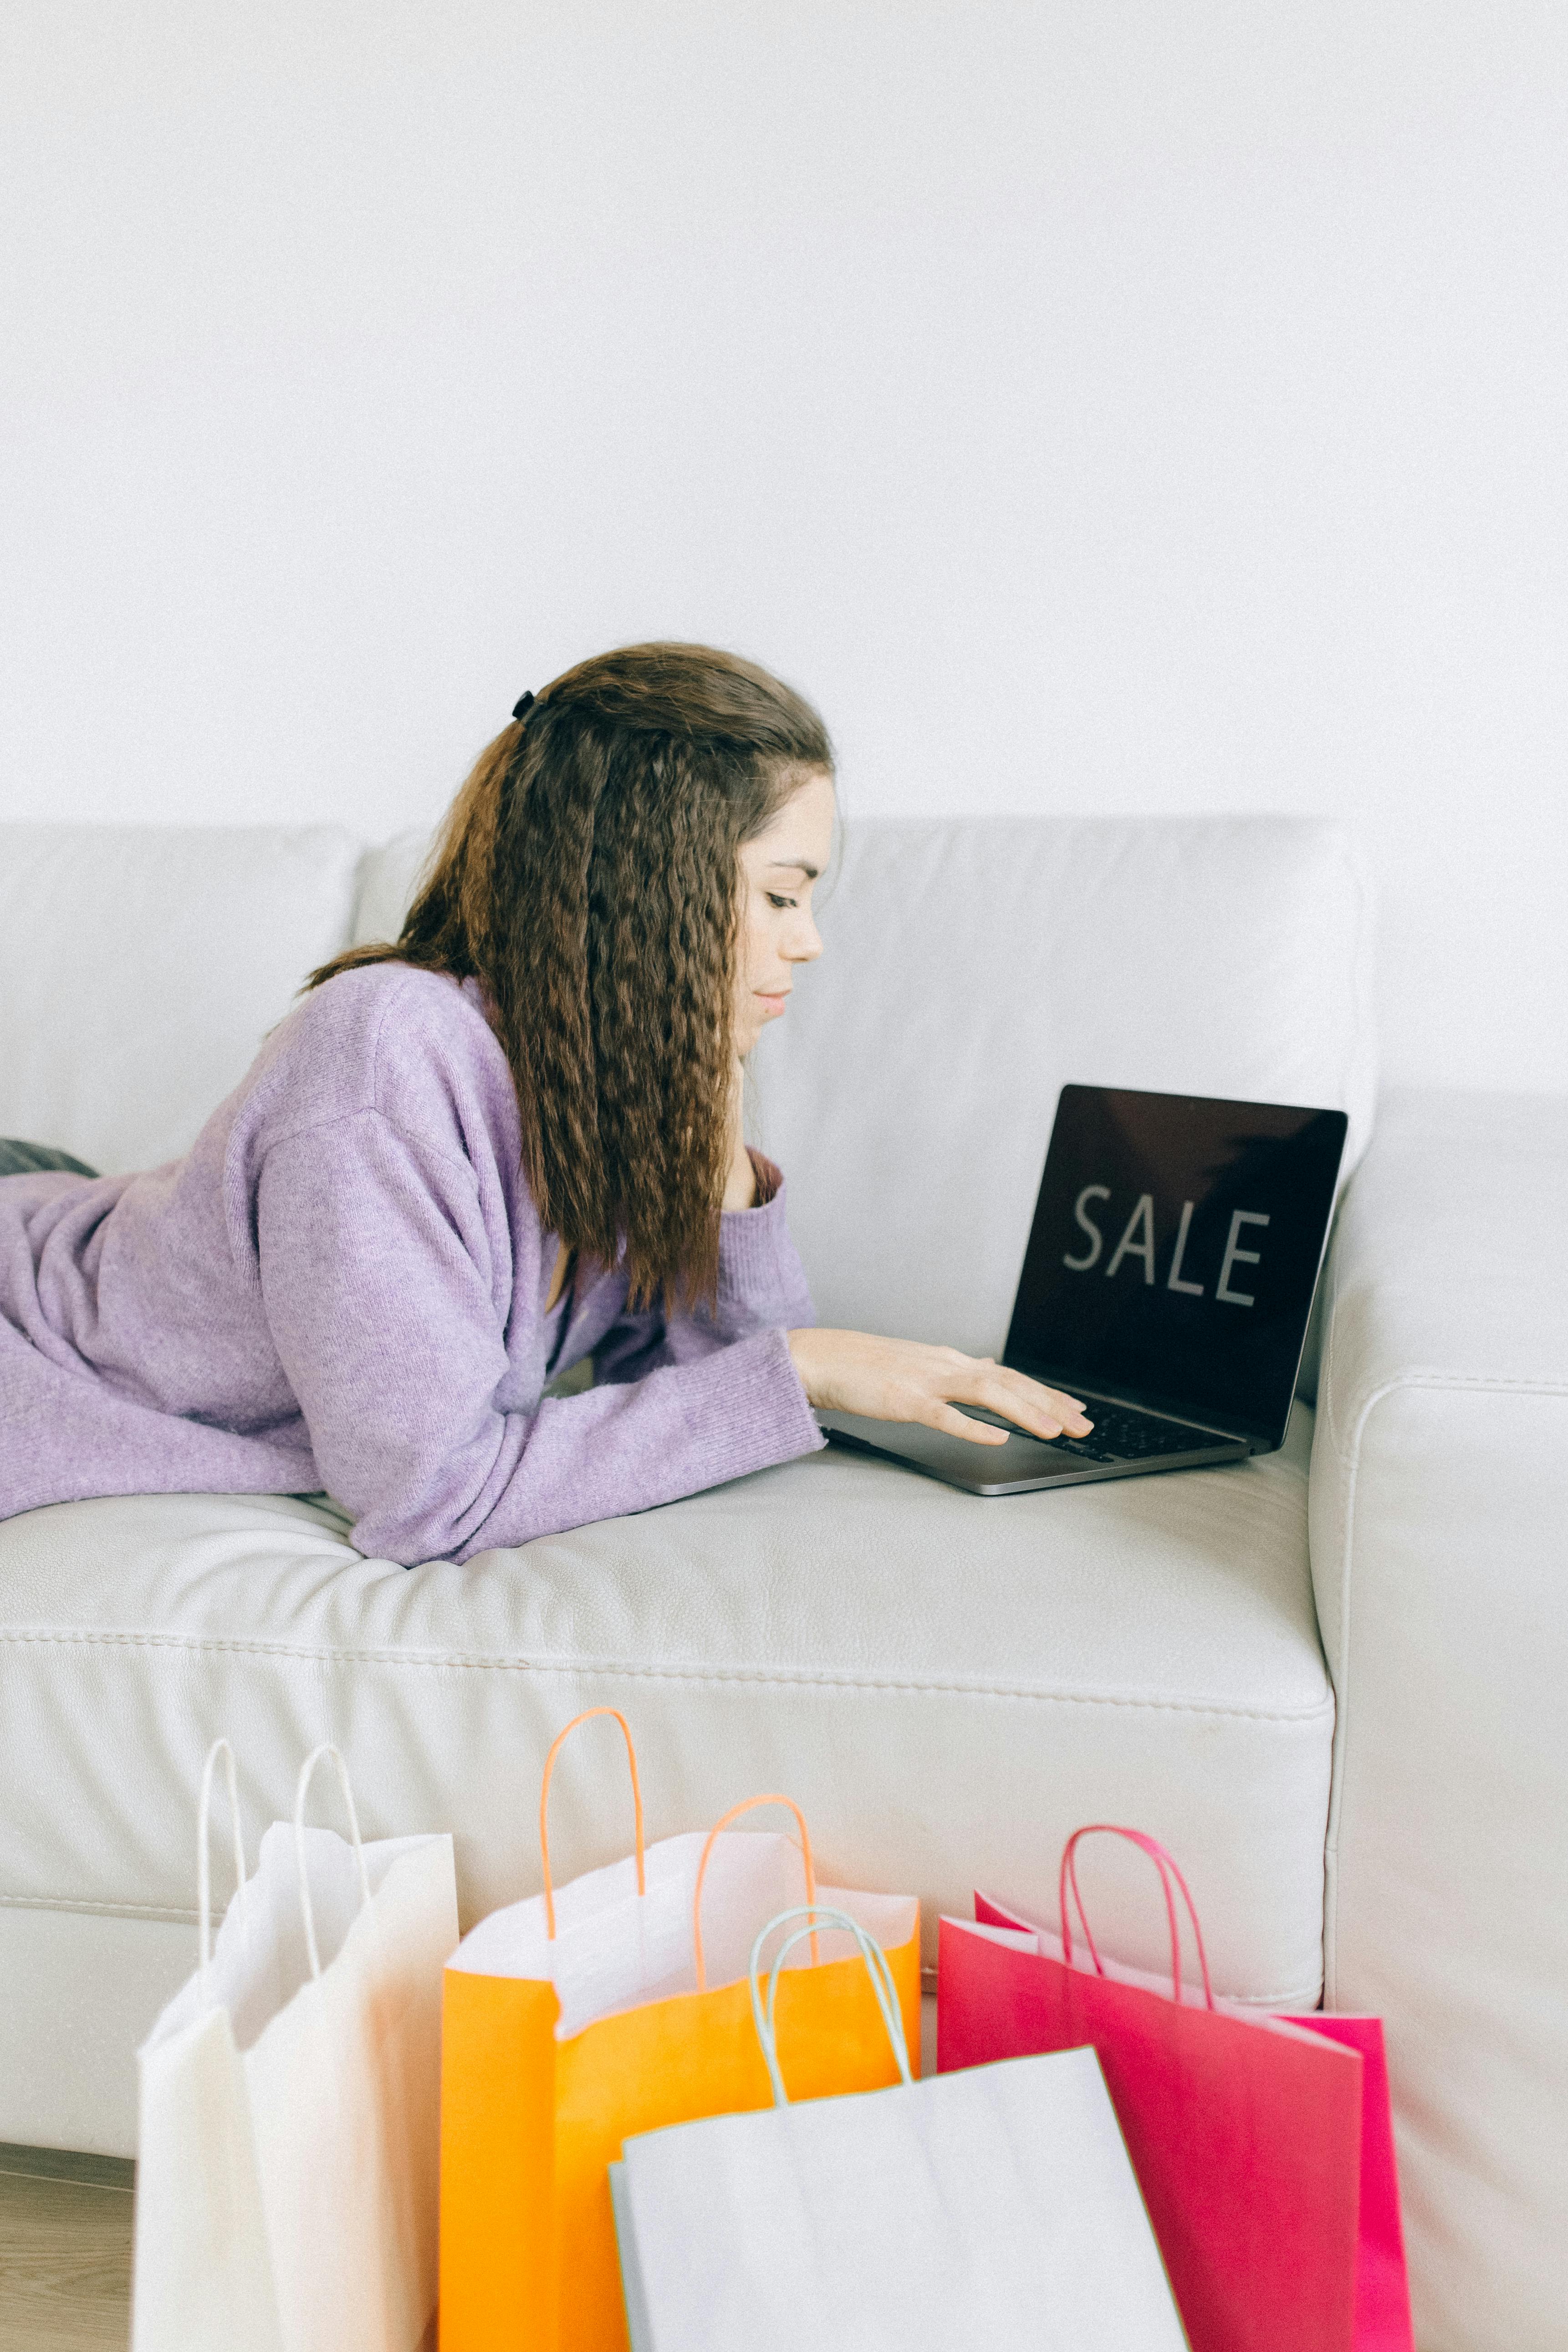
805, 945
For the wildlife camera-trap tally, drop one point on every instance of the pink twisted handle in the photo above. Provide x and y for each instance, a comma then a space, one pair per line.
1167, 1869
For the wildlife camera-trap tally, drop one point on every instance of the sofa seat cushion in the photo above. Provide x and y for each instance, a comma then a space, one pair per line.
947, 1684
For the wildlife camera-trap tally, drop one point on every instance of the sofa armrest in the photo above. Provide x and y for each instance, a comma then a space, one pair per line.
1438, 1508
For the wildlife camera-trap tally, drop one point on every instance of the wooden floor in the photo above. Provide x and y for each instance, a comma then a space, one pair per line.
65, 2252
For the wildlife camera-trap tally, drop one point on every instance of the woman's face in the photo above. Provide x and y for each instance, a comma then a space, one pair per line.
779, 867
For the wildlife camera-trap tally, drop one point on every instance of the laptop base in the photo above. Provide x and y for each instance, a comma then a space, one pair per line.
1019, 1467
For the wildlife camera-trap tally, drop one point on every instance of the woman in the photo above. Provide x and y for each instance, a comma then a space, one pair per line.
469, 1160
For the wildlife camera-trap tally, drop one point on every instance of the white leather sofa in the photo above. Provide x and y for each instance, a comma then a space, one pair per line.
1332, 1680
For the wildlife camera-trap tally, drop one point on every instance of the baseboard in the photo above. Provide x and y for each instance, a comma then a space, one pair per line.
68, 2164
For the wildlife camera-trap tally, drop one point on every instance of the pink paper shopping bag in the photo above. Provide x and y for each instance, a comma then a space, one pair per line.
1383, 2320
1382, 2282
1244, 2130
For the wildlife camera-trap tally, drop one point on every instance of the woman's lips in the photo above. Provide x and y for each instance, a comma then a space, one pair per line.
773, 1005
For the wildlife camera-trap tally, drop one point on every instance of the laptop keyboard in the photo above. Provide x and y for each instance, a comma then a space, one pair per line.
1120, 1434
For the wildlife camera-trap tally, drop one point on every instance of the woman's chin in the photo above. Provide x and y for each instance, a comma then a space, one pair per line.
761, 1015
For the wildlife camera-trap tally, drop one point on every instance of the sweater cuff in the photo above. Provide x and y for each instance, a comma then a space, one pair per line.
766, 1417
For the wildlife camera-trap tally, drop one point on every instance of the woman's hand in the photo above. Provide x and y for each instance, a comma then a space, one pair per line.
902, 1379
741, 1179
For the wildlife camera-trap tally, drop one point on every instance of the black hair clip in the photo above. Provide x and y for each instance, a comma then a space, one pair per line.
520, 709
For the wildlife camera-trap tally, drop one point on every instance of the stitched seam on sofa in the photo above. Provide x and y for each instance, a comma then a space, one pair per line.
1424, 1377
157, 1912
718, 1677
1350, 1468
1293, 1997
1340, 1762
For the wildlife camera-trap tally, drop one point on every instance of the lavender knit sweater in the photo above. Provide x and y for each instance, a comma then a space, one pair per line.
343, 1287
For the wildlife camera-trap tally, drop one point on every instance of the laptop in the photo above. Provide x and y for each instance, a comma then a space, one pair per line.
1168, 1282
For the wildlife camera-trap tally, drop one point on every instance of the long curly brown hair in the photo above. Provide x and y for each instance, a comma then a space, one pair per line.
587, 876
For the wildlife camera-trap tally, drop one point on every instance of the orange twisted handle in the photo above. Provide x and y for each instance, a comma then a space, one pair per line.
745, 1806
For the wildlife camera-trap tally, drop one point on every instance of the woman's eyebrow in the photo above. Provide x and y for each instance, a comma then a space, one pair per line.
796, 865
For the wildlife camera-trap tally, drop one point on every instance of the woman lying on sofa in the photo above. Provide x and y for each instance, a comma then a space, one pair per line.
469, 1160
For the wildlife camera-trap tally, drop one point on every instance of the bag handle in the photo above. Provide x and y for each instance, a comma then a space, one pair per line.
306, 1769
555, 1747
823, 1915
1165, 1864
746, 1806
204, 1848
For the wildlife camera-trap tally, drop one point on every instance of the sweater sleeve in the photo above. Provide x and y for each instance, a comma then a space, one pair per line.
762, 1286
380, 1288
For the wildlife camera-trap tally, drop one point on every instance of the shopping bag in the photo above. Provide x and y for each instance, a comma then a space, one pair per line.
608, 2007
1383, 2322
995, 2207
1244, 2130
286, 2193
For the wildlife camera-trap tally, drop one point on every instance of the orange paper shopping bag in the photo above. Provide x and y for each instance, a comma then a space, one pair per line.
612, 2006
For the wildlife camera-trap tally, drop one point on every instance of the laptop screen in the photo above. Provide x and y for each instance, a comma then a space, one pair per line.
1175, 1251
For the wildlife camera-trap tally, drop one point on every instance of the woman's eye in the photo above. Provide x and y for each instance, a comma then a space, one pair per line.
774, 900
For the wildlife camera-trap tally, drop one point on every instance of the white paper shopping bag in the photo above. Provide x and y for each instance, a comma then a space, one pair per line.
988, 2208
286, 2196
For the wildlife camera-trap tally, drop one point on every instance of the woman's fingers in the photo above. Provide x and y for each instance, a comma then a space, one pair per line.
963, 1424
1048, 1412
1035, 1421
1042, 1411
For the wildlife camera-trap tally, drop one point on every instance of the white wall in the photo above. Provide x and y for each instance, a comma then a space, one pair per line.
1098, 406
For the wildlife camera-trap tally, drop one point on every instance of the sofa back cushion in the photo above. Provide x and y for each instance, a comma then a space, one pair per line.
142, 966
973, 967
